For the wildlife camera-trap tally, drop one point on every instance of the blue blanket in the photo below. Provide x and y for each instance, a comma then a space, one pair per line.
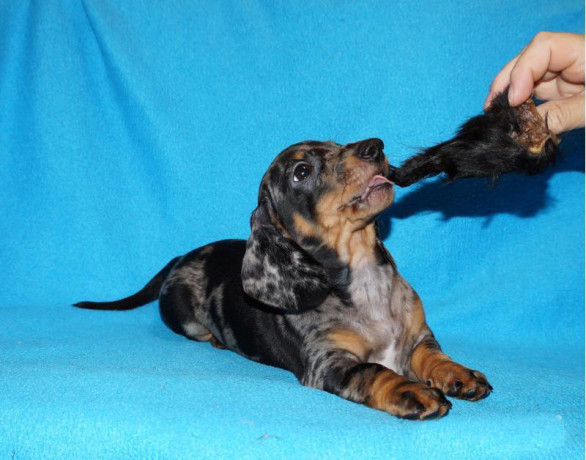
132, 131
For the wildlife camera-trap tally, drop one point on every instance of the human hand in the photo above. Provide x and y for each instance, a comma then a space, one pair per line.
552, 68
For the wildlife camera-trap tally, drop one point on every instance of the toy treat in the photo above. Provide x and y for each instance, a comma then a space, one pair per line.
503, 139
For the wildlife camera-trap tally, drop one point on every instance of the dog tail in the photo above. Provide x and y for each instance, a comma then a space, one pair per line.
147, 294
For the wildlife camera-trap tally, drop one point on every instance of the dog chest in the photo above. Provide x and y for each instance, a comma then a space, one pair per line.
382, 300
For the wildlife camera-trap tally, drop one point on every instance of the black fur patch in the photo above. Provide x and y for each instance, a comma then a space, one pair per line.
485, 146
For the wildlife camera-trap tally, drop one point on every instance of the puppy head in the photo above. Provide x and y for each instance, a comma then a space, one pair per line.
317, 205
326, 185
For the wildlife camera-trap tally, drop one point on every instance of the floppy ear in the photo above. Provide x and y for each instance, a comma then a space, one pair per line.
279, 273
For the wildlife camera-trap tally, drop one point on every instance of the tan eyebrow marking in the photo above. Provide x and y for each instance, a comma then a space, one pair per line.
299, 155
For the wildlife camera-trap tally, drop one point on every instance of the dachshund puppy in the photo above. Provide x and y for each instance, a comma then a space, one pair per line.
314, 290
502, 140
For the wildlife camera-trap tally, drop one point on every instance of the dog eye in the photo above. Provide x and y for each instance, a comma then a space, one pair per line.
301, 172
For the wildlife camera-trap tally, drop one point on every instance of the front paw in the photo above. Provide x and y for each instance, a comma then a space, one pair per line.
419, 402
460, 382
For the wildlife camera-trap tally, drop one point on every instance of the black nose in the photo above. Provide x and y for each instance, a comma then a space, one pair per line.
371, 149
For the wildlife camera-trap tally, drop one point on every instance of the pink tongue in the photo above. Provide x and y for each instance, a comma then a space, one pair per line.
377, 180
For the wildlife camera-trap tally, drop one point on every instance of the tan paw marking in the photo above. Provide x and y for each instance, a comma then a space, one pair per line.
460, 382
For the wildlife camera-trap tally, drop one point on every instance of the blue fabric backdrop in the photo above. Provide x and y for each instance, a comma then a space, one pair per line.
133, 131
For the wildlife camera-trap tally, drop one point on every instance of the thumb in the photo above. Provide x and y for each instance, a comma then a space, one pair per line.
564, 114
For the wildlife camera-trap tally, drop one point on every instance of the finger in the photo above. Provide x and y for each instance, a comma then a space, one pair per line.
564, 114
530, 67
500, 82
558, 88
546, 52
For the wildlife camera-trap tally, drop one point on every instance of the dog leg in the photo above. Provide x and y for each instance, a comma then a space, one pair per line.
380, 388
431, 366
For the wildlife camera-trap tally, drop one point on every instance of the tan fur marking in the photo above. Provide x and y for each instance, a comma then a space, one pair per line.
303, 227
339, 231
420, 360
329, 219
417, 319
361, 246
425, 360
353, 165
328, 212
342, 220
438, 370
381, 387
434, 361
351, 342
299, 155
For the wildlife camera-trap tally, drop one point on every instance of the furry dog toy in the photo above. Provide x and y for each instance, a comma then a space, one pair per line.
503, 139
